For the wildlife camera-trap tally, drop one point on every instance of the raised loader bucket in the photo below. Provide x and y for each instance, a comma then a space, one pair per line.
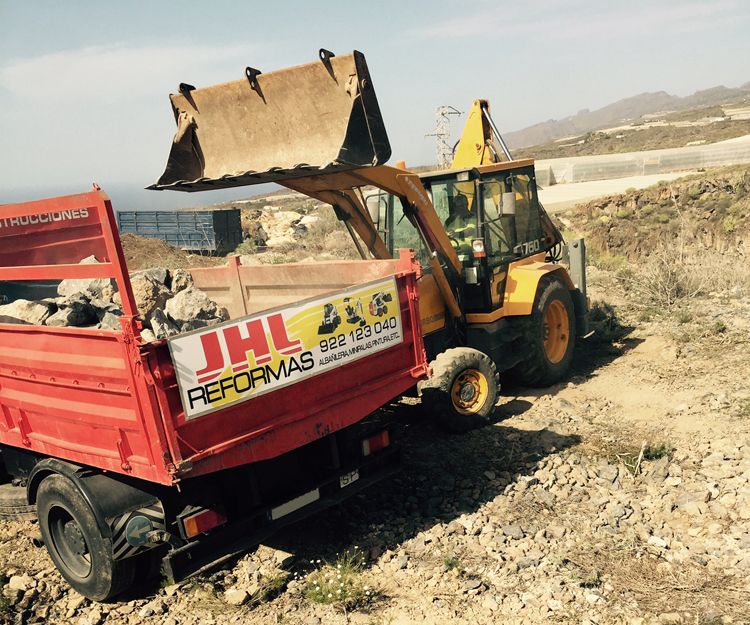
304, 120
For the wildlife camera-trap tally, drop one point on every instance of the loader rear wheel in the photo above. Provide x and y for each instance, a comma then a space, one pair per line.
74, 542
13, 504
462, 390
548, 336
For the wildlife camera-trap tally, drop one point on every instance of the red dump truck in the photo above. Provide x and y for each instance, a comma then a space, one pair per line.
189, 449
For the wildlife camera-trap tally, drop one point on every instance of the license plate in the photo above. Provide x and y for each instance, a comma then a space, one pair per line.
348, 478
294, 505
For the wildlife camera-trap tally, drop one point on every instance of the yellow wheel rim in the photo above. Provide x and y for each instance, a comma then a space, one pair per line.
470, 391
556, 331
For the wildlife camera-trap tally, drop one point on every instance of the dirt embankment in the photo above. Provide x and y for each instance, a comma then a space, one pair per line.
144, 253
709, 211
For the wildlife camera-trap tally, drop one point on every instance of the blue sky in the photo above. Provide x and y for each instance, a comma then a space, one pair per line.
84, 85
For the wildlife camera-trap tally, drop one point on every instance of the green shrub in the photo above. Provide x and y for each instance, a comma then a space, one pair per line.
663, 218
729, 224
246, 247
452, 563
604, 322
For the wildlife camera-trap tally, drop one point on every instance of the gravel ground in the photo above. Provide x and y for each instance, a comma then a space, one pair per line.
621, 496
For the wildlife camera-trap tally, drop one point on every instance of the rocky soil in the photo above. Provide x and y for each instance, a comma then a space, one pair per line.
621, 496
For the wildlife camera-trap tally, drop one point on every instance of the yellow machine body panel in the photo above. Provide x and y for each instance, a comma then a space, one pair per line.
474, 147
522, 281
431, 304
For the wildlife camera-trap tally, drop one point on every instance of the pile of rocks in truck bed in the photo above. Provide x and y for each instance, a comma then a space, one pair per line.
167, 301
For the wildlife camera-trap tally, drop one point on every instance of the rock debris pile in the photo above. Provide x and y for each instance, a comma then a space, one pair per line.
166, 299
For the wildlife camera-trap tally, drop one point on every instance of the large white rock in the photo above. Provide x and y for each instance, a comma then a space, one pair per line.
149, 295
192, 303
100, 287
24, 311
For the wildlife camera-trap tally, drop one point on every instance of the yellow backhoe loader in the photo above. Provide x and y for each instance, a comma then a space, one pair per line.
493, 296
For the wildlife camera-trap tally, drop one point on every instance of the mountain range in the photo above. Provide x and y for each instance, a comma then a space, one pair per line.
627, 109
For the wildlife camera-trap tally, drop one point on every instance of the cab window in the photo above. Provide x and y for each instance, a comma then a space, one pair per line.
510, 216
456, 206
405, 235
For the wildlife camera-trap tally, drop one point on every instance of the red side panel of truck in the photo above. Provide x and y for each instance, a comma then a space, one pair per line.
109, 400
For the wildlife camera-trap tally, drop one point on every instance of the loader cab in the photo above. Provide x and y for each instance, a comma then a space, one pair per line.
492, 217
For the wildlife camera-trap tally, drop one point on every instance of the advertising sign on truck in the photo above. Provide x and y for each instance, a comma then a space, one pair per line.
234, 361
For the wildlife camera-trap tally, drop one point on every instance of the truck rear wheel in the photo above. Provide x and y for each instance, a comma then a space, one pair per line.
462, 390
548, 335
74, 542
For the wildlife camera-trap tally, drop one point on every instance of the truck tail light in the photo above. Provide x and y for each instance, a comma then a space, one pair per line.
202, 521
477, 246
375, 443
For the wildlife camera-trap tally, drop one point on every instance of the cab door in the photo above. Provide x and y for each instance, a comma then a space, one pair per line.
511, 225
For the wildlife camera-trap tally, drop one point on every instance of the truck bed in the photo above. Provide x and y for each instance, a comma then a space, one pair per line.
110, 400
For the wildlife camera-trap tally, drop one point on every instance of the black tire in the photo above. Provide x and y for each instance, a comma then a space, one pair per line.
13, 503
537, 369
75, 544
454, 371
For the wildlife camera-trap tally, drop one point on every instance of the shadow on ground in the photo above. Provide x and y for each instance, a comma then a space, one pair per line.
443, 476
610, 341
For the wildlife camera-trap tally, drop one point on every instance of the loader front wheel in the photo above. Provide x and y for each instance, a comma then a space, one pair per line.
548, 336
74, 542
462, 391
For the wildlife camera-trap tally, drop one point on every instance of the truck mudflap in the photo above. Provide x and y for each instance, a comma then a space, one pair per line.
228, 541
303, 120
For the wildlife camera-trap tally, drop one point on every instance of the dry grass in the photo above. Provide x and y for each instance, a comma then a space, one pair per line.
666, 281
657, 586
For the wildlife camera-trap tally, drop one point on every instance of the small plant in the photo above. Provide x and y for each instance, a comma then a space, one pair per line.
608, 262
719, 327
632, 458
339, 583
684, 316
452, 563
246, 247
591, 580
272, 586
663, 218
730, 224
605, 323
743, 408
657, 451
